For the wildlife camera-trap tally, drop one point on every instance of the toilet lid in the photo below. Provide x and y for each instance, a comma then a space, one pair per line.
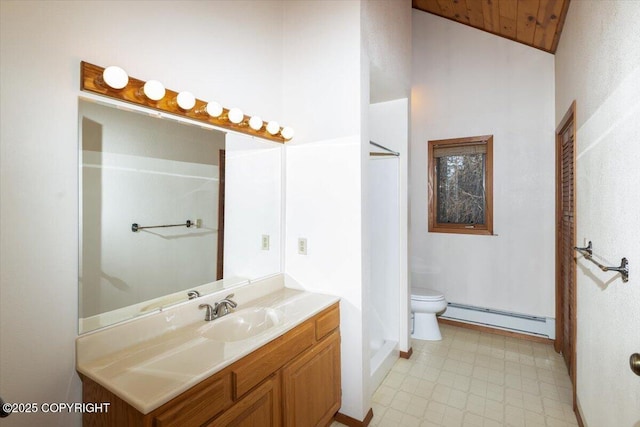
425, 294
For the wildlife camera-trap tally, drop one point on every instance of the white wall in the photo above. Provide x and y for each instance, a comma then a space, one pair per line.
196, 46
465, 83
598, 66
386, 37
321, 69
322, 92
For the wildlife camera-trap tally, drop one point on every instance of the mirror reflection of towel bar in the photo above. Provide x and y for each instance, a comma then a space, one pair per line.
197, 224
587, 252
389, 152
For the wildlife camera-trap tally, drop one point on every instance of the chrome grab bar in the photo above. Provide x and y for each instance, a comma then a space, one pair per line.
587, 252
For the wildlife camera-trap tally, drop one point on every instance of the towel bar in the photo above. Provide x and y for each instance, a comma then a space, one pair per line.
197, 223
587, 252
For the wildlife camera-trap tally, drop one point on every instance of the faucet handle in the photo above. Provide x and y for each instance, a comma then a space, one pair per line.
222, 307
210, 312
228, 300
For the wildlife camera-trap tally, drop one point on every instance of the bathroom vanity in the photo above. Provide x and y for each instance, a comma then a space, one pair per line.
201, 374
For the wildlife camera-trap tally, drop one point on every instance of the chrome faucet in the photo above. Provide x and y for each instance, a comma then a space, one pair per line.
209, 316
193, 294
219, 308
222, 307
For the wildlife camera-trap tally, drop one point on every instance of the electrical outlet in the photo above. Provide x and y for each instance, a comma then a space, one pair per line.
265, 242
302, 246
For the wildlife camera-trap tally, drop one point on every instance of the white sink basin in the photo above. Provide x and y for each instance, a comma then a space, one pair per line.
242, 324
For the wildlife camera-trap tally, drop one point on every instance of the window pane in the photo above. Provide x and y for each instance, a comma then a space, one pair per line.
461, 196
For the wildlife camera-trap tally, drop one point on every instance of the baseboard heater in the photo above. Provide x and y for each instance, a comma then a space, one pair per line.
516, 322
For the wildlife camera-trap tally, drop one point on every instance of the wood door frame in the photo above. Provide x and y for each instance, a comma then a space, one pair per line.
569, 119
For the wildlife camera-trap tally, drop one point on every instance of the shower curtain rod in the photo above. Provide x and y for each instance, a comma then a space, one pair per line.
391, 152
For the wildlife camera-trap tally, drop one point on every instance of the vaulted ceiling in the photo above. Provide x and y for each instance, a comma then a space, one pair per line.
536, 23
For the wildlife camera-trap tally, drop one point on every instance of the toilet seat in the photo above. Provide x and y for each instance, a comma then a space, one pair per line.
425, 294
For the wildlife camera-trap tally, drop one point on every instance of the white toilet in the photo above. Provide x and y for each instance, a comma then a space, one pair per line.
425, 303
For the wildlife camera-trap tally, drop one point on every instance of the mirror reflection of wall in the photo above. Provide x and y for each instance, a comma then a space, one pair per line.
252, 243
138, 168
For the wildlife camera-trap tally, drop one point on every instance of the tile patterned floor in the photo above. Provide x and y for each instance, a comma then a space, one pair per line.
475, 379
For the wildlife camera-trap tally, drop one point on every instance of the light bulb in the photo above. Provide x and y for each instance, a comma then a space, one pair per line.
273, 127
186, 100
287, 132
236, 115
255, 123
115, 77
154, 90
214, 109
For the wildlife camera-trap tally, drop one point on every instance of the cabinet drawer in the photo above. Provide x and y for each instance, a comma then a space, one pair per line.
198, 405
327, 322
254, 368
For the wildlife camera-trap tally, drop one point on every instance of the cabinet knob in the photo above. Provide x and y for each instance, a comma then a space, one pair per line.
634, 362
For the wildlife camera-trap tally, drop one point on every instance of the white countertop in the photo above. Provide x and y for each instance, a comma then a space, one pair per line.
147, 371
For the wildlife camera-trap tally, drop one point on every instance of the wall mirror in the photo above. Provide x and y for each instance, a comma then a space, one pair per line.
220, 194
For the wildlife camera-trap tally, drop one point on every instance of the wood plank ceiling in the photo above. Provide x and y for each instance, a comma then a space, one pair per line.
536, 23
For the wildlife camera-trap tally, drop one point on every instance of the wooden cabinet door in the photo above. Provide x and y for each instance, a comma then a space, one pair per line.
260, 408
312, 393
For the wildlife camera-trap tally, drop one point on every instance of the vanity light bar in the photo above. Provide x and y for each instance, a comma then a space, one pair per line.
115, 83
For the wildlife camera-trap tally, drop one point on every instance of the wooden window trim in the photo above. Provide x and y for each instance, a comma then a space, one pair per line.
435, 227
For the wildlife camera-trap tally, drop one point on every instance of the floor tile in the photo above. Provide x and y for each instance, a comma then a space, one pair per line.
475, 379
